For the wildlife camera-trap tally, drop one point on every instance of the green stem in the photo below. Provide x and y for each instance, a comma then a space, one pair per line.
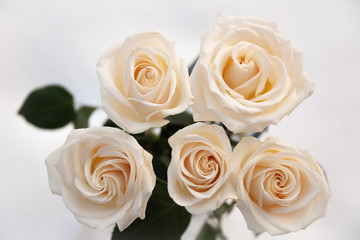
160, 180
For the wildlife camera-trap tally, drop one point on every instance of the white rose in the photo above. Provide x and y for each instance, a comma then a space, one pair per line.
198, 174
248, 75
143, 81
281, 189
103, 175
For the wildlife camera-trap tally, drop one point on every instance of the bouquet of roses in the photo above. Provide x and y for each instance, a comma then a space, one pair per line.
151, 166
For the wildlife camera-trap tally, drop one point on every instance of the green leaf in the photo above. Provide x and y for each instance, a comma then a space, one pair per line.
182, 119
258, 134
164, 219
48, 107
161, 151
168, 130
191, 67
224, 208
160, 167
206, 233
82, 116
110, 123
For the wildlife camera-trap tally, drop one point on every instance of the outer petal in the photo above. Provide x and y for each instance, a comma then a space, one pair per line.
54, 177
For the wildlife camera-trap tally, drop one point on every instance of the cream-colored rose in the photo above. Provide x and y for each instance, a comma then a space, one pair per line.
103, 175
143, 81
198, 174
281, 189
248, 75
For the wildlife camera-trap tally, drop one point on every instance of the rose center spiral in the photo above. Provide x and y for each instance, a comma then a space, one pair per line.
202, 170
149, 73
109, 175
273, 184
239, 74
146, 75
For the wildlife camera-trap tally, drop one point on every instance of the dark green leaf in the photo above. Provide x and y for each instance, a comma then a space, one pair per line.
110, 123
206, 233
49, 107
258, 134
161, 151
82, 116
160, 168
182, 119
224, 208
164, 219
165, 156
141, 138
191, 67
168, 130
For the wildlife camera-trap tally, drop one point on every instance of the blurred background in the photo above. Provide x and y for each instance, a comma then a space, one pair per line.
44, 42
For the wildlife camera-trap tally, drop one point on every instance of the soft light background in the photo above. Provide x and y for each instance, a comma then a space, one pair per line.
44, 42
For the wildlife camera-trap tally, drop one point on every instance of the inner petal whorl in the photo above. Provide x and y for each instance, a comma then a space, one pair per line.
274, 183
149, 67
281, 185
110, 174
147, 74
207, 165
239, 76
270, 183
202, 170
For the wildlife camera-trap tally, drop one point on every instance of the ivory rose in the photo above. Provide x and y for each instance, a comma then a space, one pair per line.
198, 174
248, 75
281, 189
103, 175
143, 81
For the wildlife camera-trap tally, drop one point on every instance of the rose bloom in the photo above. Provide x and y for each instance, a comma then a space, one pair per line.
199, 171
248, 75
281, 189
103, 175
143, 81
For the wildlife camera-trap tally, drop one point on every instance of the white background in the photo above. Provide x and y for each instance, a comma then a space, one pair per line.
59, 41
